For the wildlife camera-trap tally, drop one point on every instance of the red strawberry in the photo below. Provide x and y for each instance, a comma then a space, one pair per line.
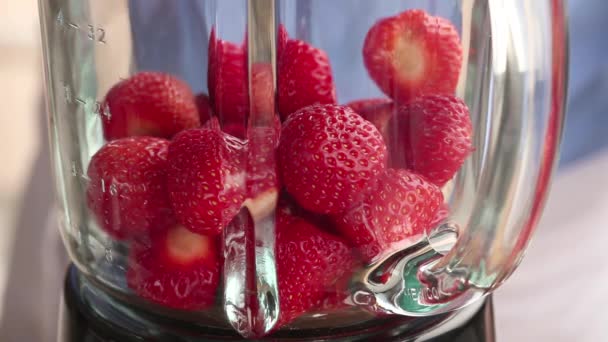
282, 38
227, 80
304, 78
204, 108
327, 155
127, 190
262, 182
398, 206
262, 93
212, 63
309, 263
177, 268
205, 179
432, 136
377, 111
149, 103
413, 53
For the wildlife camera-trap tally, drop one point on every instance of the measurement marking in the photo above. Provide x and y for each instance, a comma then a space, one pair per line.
105, 111
97, 108
74, 169
81, 101
74, 26
67, 93
102, 35
59, 18
96, 34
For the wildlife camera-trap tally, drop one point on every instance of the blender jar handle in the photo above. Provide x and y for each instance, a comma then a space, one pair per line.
500, 195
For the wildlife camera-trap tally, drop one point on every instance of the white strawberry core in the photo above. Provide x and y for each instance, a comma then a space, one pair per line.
409, 58
185, 246
262, 205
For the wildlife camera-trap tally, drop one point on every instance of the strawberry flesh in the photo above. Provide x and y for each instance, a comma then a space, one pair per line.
262, 181
413, 53
176, 268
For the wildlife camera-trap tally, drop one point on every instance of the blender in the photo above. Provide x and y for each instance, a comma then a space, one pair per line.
298, 169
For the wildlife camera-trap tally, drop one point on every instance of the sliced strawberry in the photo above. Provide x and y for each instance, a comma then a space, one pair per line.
309, 264
227, 80
204, 108
396, 207
127, 191
177, 269
304, 78
413, 53
433, 136
151, 104
377, 111
205, 179
327, 155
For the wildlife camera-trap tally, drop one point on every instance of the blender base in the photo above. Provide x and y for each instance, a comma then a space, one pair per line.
88, 314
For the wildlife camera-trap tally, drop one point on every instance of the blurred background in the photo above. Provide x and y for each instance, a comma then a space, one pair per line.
547, 285
20, 91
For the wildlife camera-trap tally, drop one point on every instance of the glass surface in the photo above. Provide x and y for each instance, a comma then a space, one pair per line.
266, 165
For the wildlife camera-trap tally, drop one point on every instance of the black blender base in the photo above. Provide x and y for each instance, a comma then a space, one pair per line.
81, 321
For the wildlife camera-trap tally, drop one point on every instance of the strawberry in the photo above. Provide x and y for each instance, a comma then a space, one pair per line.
282, 38
212, 63
262, 92
378, 111
204, 108
398, 206
304, 78
227, 80
413, 53
127, 190
176, 268
433, 136
151, 104
205, 179
262, 181
327, 154
288, 204
309, 264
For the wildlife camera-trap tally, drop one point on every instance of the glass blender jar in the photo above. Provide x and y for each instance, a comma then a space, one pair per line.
298, 169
